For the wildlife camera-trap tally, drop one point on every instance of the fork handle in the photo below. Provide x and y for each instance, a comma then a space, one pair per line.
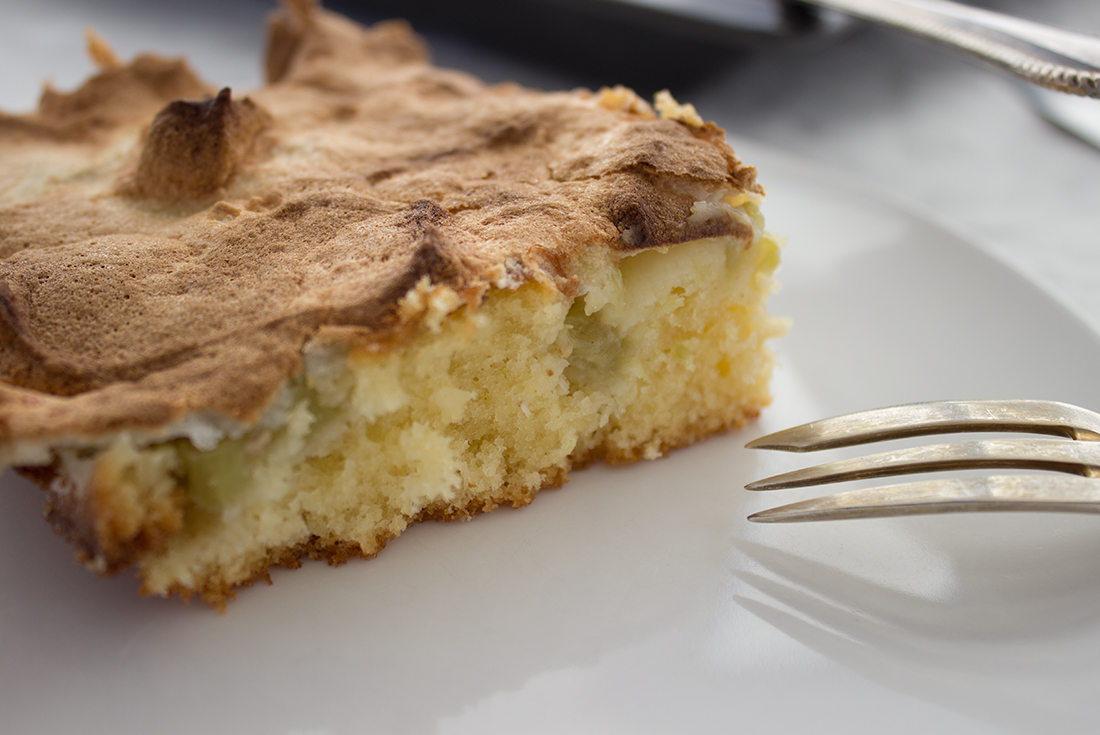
1049, 57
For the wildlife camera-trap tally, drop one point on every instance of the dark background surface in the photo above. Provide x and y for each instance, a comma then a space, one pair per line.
600, 42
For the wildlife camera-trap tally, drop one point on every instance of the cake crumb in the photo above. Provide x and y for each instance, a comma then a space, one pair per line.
669, 109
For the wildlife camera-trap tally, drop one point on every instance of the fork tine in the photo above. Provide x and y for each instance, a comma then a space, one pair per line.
996, 493
940, 417
1059, 455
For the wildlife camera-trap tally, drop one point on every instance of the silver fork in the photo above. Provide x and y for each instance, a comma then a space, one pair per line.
1076, 452
1049, 57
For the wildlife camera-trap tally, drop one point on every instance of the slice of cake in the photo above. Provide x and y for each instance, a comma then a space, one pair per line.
240, 331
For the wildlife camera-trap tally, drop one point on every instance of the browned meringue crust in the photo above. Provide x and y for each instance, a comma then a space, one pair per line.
183, 252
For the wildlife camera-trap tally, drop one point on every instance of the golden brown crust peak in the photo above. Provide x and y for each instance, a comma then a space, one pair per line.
193, 148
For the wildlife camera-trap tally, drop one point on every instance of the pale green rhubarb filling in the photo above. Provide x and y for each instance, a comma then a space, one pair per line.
487, 405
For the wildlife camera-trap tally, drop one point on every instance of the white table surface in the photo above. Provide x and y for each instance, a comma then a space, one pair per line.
922, 125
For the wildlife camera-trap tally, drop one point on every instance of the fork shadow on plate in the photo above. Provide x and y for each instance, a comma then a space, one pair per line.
997, 617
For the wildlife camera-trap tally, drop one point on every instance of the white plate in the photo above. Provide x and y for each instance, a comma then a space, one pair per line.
639, 599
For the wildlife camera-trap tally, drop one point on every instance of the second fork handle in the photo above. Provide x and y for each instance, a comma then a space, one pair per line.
1049, 57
